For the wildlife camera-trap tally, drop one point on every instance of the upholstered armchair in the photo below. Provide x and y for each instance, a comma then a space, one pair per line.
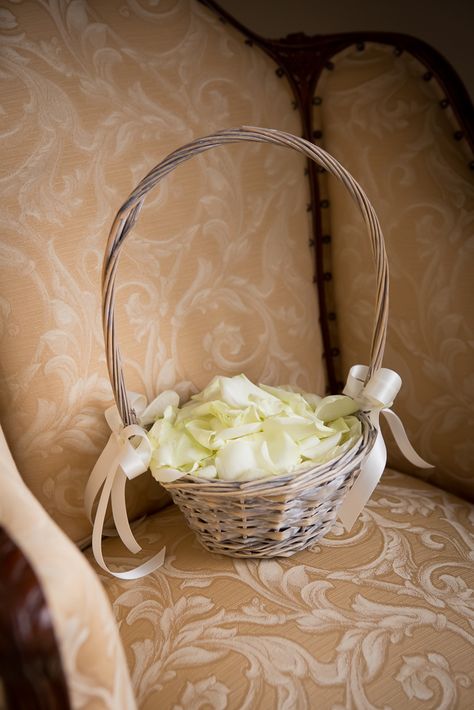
247, 259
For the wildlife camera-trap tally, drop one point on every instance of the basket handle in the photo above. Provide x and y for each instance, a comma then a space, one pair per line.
128, 214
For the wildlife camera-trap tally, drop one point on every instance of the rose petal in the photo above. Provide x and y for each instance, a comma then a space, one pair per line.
335, 406
177, 449
201, 432
207, 472
295, 400
238, 457
297, 427
284, 452
235, 430
165, 475
321, 448
157, 407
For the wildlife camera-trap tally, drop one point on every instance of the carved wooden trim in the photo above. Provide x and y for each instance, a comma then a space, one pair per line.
301, 59
30, 662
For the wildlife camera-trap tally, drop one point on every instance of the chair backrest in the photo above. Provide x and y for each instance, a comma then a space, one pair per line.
385, 116
218, 277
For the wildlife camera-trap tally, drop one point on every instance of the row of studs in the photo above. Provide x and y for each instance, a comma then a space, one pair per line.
317, 135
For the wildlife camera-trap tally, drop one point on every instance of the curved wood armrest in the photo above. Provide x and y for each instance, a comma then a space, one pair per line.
30, 662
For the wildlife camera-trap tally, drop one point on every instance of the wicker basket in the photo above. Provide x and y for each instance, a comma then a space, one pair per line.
280, 515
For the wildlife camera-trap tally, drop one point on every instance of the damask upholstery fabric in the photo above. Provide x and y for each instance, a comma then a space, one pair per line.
92, 655
386, 125
217, 278
379, 618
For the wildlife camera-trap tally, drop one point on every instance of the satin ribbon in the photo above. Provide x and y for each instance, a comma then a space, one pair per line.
374, 398
126, 456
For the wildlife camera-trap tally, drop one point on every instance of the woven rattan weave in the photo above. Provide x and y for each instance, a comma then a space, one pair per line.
275, 516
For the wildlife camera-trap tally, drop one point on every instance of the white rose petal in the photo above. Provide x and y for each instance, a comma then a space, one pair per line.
321, 448
240, 392
206, 472
236, 431
236, 459
165, 475
335, 406
284, 452
156, 409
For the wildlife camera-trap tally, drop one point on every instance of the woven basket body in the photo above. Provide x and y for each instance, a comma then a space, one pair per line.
275, 516
272, 517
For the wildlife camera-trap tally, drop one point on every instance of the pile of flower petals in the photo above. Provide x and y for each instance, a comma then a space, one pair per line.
236, 431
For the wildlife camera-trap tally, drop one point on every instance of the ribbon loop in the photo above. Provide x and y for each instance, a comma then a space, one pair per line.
355, 381
375, 397
382, 388
134, 459
379, 391
127, 455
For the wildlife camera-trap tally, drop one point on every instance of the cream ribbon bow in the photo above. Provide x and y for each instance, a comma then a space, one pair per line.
375, 398
126, 456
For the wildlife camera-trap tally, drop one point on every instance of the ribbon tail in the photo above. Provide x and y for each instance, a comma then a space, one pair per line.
142, 570
117, 462
375, 396
401, 438
365, 484
119, 512
104, 463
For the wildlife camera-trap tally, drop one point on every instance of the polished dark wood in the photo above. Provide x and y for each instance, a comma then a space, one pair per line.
302, 59
30, 663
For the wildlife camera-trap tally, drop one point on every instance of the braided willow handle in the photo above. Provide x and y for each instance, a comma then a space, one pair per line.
128, 214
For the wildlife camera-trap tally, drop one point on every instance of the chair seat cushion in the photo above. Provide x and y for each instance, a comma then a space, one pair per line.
381, 617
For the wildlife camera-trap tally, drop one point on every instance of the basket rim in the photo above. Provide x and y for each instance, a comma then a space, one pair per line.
291, 480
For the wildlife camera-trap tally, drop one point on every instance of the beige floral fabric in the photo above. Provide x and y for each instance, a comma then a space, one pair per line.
386, 125
379, 618
92, 654
217, 277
